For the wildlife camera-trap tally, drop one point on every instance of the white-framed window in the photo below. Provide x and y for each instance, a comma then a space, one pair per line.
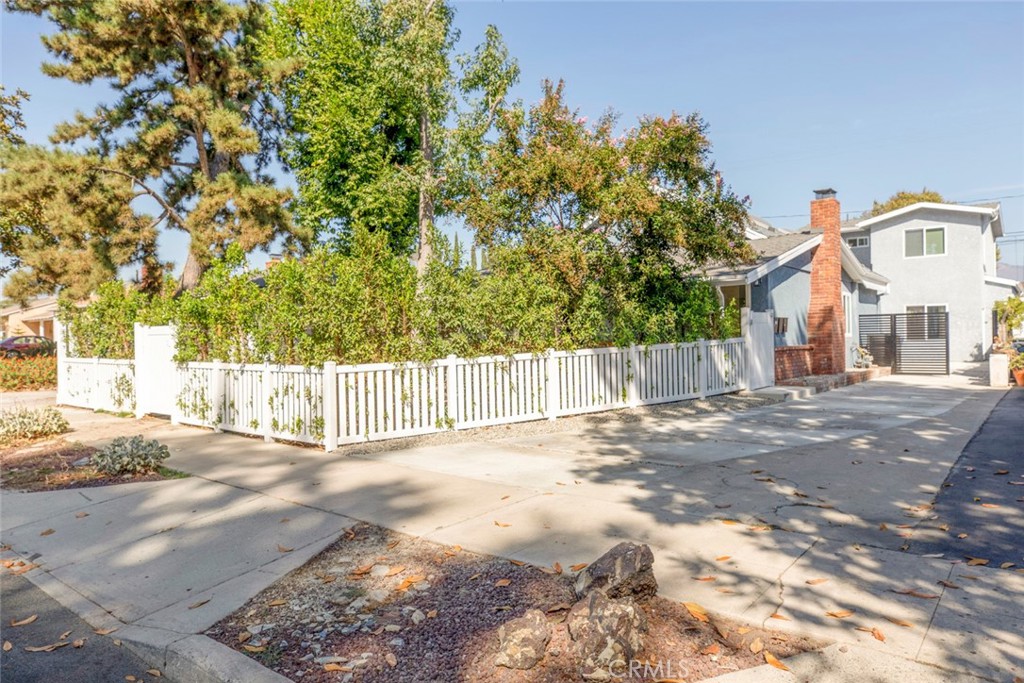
848, 313
927, 322
857, 241
924, 242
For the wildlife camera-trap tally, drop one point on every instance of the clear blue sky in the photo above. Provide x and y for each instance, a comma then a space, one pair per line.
868, 98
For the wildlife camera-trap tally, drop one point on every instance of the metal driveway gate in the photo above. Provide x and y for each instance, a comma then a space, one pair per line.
909, 343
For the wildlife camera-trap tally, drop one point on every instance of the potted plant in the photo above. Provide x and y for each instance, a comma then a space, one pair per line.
1017, 368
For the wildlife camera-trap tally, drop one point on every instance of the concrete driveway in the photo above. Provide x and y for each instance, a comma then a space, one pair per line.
761, 505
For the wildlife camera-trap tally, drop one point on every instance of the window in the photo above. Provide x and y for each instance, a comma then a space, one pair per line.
924, 242
737, 293
857, 241
848, 313
926, 322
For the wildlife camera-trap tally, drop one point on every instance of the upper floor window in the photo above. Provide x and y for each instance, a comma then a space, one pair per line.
924, 242
857, 241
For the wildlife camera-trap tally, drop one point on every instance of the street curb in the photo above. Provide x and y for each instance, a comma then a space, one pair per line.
183, 657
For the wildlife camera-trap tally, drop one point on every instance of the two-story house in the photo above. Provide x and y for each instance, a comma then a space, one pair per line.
937, 258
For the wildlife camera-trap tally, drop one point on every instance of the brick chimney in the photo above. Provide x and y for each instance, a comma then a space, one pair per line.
825, 320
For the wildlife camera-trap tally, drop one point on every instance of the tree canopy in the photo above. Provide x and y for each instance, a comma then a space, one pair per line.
371, 92
66, 225
193, 125
905, 198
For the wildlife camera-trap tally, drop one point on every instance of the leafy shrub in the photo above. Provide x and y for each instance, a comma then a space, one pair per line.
23, 374
132, 455
28, 423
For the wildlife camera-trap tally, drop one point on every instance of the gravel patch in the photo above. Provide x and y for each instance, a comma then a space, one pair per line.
380, 606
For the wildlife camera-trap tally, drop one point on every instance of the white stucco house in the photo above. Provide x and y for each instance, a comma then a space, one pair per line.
938, 258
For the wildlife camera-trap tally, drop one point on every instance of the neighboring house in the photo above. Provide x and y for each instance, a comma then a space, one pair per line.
35, 318
938, 258
813, 283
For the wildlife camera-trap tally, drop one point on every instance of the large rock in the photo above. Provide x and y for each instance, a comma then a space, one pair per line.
523, 641
608, 634
625, 571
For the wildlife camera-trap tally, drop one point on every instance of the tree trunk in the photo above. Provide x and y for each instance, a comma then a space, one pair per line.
426, 207
191, 273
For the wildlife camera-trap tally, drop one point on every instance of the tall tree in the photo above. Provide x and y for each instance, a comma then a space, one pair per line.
371, 92
64, 225
193, 125
904, 198
11, 120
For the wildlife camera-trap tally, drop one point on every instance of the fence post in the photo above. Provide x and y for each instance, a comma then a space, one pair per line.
140, 397
748, 347
451, 396
94, 382
330, 405
553, 392
703, 366
268, 411
62, 377
218, 394
633, 378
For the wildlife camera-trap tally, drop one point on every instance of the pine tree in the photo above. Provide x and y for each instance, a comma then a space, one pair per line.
193, 125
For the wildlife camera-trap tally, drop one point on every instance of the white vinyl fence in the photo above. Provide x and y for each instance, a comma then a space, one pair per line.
340, 404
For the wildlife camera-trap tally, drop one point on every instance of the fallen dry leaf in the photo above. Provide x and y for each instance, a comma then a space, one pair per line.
989, 505
24, 622
878, 635
815, 582
722, 558
696, 611
883, 526
729, 521
976, 561
742, 630
756, 645
560, 607
277, 603
244, 636
331, 666
78, 643
7, 646
1007, 565
781, 617
44, 648
254, 648
1000, 472
359, 571
501, 583
723, 589
557, 567
704, 578
47, 532
130, 678
518, 563
947, 584
475, 577
198, 604
284, 549
80, 515
961, 536
943, 527
395, 570
104, 631
770, 658
391, 659
154, 672
577, 567
900, 622
712, 649
500, 524
839, 613
116, 642
64, 636
432, 614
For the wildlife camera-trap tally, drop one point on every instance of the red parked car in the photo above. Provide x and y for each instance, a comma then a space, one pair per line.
27, 345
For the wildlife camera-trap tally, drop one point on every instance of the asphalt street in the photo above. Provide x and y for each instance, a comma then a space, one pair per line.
982, 498
98, 660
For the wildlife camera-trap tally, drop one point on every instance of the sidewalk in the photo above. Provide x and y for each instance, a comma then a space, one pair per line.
791, 493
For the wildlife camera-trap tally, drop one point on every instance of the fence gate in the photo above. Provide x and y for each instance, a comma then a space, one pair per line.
909, 343
759, 335
156, 379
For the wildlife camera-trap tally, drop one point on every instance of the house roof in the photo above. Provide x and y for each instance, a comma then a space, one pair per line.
773, 252
767, 249
32, 305
991, 210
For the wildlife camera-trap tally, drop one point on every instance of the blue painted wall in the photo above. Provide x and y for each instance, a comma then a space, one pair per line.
787, 291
